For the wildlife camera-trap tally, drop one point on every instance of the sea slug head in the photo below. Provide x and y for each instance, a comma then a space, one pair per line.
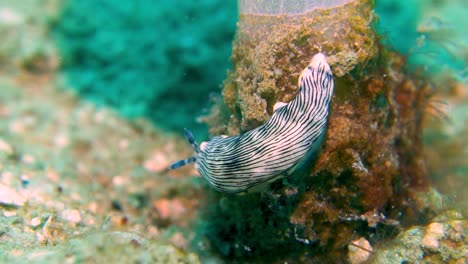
319, 65
319, 61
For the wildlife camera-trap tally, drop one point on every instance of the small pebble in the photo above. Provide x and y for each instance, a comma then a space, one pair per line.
5, 147
119, 220
9, 213
75, 196
178, 240
360, 253
169, 209
61, 141
36, 221
17, 127
28, 159
52, 175
123, 144
41, 238
92, 207
10, 17
434, 232
73, 216
152, 231
156, 163
11, 197
7, 177
120, 180
291, 191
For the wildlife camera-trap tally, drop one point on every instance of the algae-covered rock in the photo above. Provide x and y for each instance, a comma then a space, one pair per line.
270, 52
444, 240
371, 164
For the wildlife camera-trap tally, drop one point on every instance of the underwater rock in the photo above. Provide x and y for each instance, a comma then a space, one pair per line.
35, 222
72, 216
442, 241
434, 232
371, 166
266, 66
359, 251
169, 211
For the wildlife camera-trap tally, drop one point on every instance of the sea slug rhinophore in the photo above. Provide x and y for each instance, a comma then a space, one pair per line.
248, 162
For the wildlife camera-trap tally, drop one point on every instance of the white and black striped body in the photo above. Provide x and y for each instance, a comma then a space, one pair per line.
238, 164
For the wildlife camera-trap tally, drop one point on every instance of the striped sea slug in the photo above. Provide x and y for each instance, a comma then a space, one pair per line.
248, 162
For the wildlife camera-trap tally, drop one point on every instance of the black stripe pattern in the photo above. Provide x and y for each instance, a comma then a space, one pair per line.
294, 132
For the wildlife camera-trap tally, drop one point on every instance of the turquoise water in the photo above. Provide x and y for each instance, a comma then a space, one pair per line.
148, 58
431, 34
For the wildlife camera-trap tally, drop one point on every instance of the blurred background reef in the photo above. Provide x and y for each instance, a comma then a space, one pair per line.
147, 59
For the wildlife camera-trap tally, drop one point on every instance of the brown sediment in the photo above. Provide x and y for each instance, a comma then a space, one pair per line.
371, 160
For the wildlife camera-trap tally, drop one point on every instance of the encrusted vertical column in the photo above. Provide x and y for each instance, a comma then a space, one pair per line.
371, 164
